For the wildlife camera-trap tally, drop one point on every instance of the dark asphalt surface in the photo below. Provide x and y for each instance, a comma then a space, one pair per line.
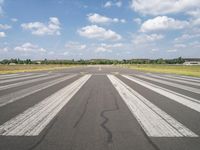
96, 117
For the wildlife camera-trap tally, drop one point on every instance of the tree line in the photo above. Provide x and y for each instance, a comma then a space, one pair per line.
178, 60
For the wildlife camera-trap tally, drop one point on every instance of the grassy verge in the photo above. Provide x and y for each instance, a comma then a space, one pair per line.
29, 68
170, 69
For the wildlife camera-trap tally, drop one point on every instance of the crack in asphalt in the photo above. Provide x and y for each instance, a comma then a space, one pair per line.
83, 112
106, 120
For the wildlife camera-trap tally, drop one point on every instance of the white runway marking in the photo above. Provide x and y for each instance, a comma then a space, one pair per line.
154, 121
182, 99
32, 121
28, 81
12, 97
180, 86
176, 80
22, 78
8, 76
183, 78
11, 76
100, 69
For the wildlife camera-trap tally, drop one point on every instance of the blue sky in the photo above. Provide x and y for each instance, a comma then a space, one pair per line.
115, 29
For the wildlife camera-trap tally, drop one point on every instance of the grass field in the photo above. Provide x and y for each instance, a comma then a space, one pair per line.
29, 68
170, 69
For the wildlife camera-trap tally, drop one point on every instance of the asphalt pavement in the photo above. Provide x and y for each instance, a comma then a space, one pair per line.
99, 108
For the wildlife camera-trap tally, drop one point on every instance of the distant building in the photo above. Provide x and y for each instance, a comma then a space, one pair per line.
192, 61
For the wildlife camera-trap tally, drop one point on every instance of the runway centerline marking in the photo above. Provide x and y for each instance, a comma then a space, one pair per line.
32, 121
154, 121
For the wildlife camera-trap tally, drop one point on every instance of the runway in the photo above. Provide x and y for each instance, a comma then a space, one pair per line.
99, 108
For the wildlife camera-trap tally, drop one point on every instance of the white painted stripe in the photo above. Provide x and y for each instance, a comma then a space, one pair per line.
182, 99
182, 78
189, 77
180, 86
23, 78
154, 121
9, 76
32, 121
27, 82
176, 80
12, 97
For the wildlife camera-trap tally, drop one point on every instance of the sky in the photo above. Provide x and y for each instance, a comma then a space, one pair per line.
94, 29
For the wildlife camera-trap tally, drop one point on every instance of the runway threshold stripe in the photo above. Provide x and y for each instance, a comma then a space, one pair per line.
32, 121
11, 76
180, 86
182, 78
154, 121
8, 76
182, 99
4, 87
22, 78
176, 80
12, 97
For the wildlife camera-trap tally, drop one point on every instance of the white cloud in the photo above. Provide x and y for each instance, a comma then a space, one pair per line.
172, 50
14, 19
145, 38
99, 33
180, 45
2, 34
163, 23
185, 37
5, 49
109, 4
137, 20
4, 27
75, 46
154, 50
66, 53
29, 47
158, 7
103, 47
99, 19
194, 13
195, 17
39, 28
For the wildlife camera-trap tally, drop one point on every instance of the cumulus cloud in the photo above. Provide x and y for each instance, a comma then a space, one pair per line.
14, 19
157, 7
4, 49
180, 45
100, 19
2, 34
75, 46
39, 28
99, 33
145, 38
186, 37
195, 17
29, 47
103, 47
172, 50
162, 23
109, 4
4, 26
137, 20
